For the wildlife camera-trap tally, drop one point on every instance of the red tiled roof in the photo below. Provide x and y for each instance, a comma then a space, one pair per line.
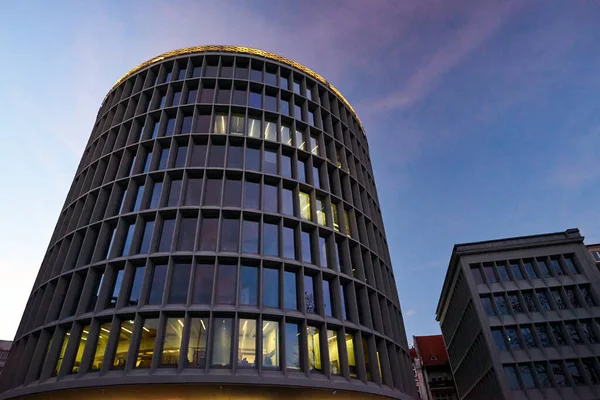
431, 350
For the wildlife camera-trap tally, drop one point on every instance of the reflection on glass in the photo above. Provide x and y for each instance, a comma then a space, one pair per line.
321, 217
208, 234
237, 124
212, 192
230, 231
301, 171
286, 136
343, 303
146, 346
249, 286
193, 191
327, 303
292, 348
347, 223
254, 127
250, 237
172, 342
314, 348
271, 130
253, 160
221, 343
307, 253
270, 198
196, 354
116, 288
216, 156
252, 195
286, 166
232, 196
198, 158
310, 300
270, 287
270, 344
187, 234
334, 358
290, 293
101, 346
270, 239
166, 237
158, 284
288, 201
226, 280
136, 286
316, 177
289, 246
154, 200
179, 284
174, 192
323, 252
220, 125
82, 341
270, 162
247, 343
300, 143
336, 220
304, 205
203, 283
125, 332
351, 355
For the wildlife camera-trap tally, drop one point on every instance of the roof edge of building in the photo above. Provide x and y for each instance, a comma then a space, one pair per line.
571, 235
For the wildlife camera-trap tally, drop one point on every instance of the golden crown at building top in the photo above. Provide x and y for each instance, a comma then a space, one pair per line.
244, 50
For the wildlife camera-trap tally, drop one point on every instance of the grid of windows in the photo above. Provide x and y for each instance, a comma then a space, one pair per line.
208, 182
554, 373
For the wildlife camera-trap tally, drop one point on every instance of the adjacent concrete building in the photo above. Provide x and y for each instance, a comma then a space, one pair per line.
433, 375
594, 250
4, 351
520, 318
223, 229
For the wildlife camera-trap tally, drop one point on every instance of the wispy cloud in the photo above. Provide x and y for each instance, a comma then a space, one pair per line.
482, 24
409, 313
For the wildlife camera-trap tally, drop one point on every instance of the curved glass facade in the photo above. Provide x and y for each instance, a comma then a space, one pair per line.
223, 224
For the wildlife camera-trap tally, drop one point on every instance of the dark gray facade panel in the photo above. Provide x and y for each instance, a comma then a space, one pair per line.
223, 217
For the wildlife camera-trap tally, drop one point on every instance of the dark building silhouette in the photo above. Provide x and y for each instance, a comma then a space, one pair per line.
520, 318
223, 228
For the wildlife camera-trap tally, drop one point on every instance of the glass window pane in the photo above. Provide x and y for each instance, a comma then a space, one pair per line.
162, 163
516, 271
515, 304
307, 253
327, 302
498, 338
212, 192
284, 107
270, 198
290, 290
125, 332
310, 299
288, 201
232, 193
254, 127
172, 342
116, 289
317, 178
237, 124
226, 284
187, 234
247, 343
334, 358
289, 243
543, 299
252, 195
146, 347
166, 237
559, 374
286, 166
256, 99
98, 359
351, 355
528, 337
571, 265
270, 344
270, 162
174, 192
286, 135
292, 348
511, 376
196, 354
557, 299
230, 232
321, 216
128, 237
179, 284
542, 333
489, 273
270, 239
186, 126
575, 374
530, 270
216, 156
323, 252
314, 348
136, 286
542, 374
270, 287
543, 267
527, 376
573, 301
250, 237
486, 302
220, 124
208, 234
513, 339
502, 272
158, 284
241, 71
590, 369
270, 103
301, 171
343, 303
304, 205
138, 198
198, 155
235, 157
249, 286
79, 355
558, 334
221, 347
203, 283
300, 143
155, 199
501, 305
572, 332
270, 131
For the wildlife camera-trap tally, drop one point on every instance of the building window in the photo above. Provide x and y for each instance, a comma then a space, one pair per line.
527, 376
270, 344
515, 304
230, 231
216, 156
559, 373
572, 298
503, 273
289, 243
253, 159
513, 339
587, 296
232, 196
270, 162
250, 237
208, 234
301, 171
286, 136
323, 253
529, 302
221, 346
203, 283
590, 369
253, 127
270, 239
288, 202
270, 131
530, 270
501, 305
249, 286
146, 347
79, 355
489, 273
543, 267
290, 291
486, 302
351, 355
557, 267
511, 375
220, 125
575, 373
157, 285
226, 284
270, 287
314, 348
174, 191
542, 374
155, 199
98, 359
292, 347
247, 343
572, 332
588, 331
166, 237
179, 284
560, 305
343, 303
571, 265
187, 234
321, 216
542, 334
310, 300
235, 157
196, 356
305, 212
181, 156
327, 299
212, 192
172, 342
543, 300
286, 166
498, 338
128, 237
334, 358
252, 195
558, 334
162, 162
528, 337
125, 332
307, 253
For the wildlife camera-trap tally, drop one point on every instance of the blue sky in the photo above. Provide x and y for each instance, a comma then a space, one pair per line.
483, 118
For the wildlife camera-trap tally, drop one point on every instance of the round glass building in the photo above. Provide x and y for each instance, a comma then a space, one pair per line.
222, 237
